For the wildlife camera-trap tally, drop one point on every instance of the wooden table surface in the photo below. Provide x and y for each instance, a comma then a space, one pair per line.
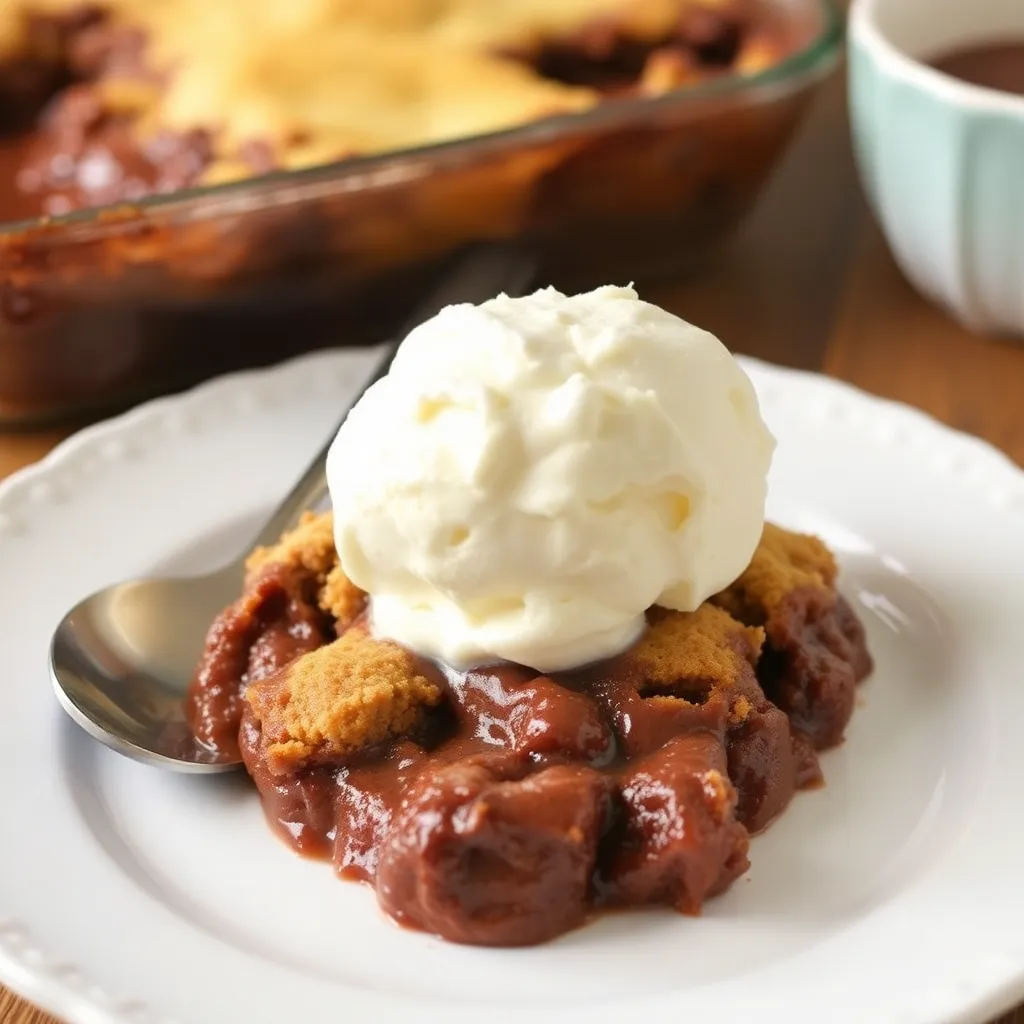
808, 283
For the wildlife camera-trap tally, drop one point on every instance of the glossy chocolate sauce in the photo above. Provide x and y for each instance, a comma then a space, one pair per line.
523, 801
529, 800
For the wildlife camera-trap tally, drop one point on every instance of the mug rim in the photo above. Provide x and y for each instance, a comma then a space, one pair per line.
864, 30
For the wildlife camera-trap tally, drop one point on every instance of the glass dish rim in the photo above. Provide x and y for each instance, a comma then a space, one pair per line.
815, 58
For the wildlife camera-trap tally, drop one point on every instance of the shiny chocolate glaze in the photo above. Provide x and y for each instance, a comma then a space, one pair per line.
524, 801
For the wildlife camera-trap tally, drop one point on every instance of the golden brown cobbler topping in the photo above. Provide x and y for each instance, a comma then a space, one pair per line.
706, 644
740, 710
782, 563
350, 694
341, 598
357, 691
320, 80
310, 547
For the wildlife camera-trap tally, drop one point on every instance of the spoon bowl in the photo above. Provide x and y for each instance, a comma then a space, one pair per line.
122, 659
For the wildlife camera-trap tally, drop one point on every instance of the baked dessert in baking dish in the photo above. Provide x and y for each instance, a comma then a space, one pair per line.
125, 98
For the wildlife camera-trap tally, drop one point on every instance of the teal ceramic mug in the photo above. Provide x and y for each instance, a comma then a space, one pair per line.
942, 160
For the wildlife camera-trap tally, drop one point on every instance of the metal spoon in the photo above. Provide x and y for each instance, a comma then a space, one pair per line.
121, 660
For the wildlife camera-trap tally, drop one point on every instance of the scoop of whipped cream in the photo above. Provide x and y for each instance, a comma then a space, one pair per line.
534, 473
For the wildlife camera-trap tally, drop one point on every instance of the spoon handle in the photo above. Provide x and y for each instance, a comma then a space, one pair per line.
480, 274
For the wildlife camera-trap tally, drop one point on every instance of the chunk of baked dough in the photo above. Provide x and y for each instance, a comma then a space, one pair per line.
310, 548
708, 644
341, 598
337, 700
783, 562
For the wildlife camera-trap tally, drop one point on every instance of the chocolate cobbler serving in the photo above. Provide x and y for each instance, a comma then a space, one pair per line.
545, 655
117, 99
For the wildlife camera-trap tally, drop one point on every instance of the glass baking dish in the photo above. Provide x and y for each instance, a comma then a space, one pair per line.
102, 307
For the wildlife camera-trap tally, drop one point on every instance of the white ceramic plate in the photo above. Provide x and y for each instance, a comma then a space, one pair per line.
895, 894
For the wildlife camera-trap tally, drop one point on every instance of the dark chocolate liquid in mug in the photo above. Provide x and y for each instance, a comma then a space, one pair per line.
992, 65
